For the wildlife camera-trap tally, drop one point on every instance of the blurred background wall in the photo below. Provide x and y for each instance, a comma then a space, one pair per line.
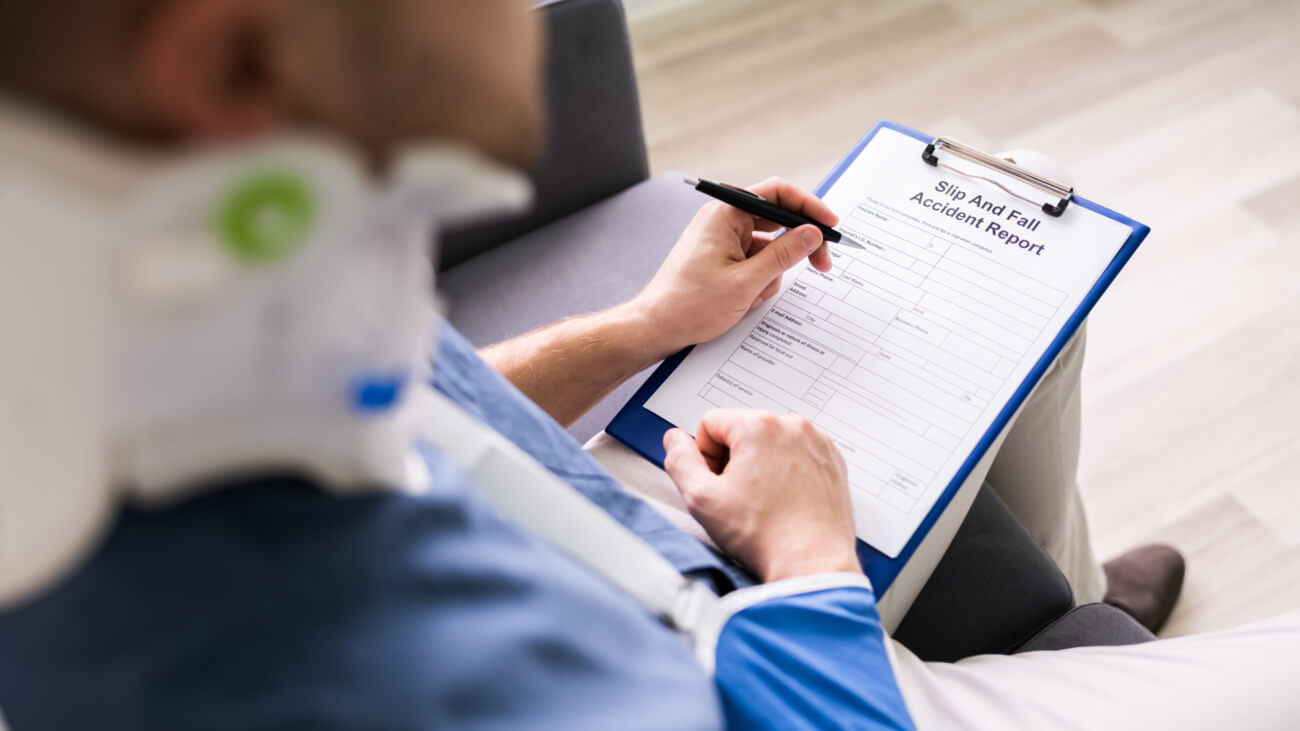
1184, 114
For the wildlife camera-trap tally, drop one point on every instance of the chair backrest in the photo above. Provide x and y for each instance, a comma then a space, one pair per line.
595, 142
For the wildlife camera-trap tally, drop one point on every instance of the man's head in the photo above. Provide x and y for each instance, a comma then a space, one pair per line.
380, 73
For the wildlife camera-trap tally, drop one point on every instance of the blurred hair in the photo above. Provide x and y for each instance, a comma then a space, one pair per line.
50, 50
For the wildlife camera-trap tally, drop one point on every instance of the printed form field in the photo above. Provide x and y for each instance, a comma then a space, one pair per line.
895, 354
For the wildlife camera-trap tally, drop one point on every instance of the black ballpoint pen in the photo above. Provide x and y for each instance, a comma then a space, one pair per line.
756, 205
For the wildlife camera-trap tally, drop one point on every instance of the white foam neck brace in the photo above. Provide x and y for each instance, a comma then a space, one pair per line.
190, 316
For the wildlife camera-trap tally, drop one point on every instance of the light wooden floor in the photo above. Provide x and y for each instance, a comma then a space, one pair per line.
1184, 114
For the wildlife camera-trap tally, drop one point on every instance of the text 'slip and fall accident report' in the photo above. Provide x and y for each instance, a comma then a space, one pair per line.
907, 351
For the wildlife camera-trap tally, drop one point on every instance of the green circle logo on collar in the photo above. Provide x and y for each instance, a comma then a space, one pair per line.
266, 216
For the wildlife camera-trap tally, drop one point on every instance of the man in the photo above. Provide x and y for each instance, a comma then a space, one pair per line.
271, 571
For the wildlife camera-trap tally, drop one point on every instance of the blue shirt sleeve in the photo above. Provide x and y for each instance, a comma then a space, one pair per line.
814, 661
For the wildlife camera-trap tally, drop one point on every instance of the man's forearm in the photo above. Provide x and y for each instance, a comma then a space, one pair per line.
722, 267
568, 367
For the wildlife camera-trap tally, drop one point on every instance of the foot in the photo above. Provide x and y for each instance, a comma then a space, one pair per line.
1145, 583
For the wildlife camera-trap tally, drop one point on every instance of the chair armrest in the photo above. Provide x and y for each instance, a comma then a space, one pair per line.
595, 144
994, 589
1091, 625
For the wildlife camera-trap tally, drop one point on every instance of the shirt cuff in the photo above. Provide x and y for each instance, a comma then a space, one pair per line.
708, 628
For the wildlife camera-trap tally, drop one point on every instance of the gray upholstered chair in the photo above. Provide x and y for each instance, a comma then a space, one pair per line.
600, 228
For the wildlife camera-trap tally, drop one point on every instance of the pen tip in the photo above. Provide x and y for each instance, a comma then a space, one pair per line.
691, 181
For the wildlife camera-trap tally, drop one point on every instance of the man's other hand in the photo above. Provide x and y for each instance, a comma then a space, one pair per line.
772, 491
725, 264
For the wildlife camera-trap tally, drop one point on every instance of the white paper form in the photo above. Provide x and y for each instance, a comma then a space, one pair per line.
907, 351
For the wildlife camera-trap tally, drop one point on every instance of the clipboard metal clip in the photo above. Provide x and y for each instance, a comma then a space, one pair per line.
1062, 193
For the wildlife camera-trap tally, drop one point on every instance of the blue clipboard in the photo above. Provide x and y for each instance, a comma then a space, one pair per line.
642, 430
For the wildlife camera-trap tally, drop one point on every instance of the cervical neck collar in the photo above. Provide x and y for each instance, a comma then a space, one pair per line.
172, 320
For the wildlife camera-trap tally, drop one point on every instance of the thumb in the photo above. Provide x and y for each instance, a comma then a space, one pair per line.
784, 252
684, 463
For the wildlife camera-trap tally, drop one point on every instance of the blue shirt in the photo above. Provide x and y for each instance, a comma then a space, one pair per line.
269, 603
